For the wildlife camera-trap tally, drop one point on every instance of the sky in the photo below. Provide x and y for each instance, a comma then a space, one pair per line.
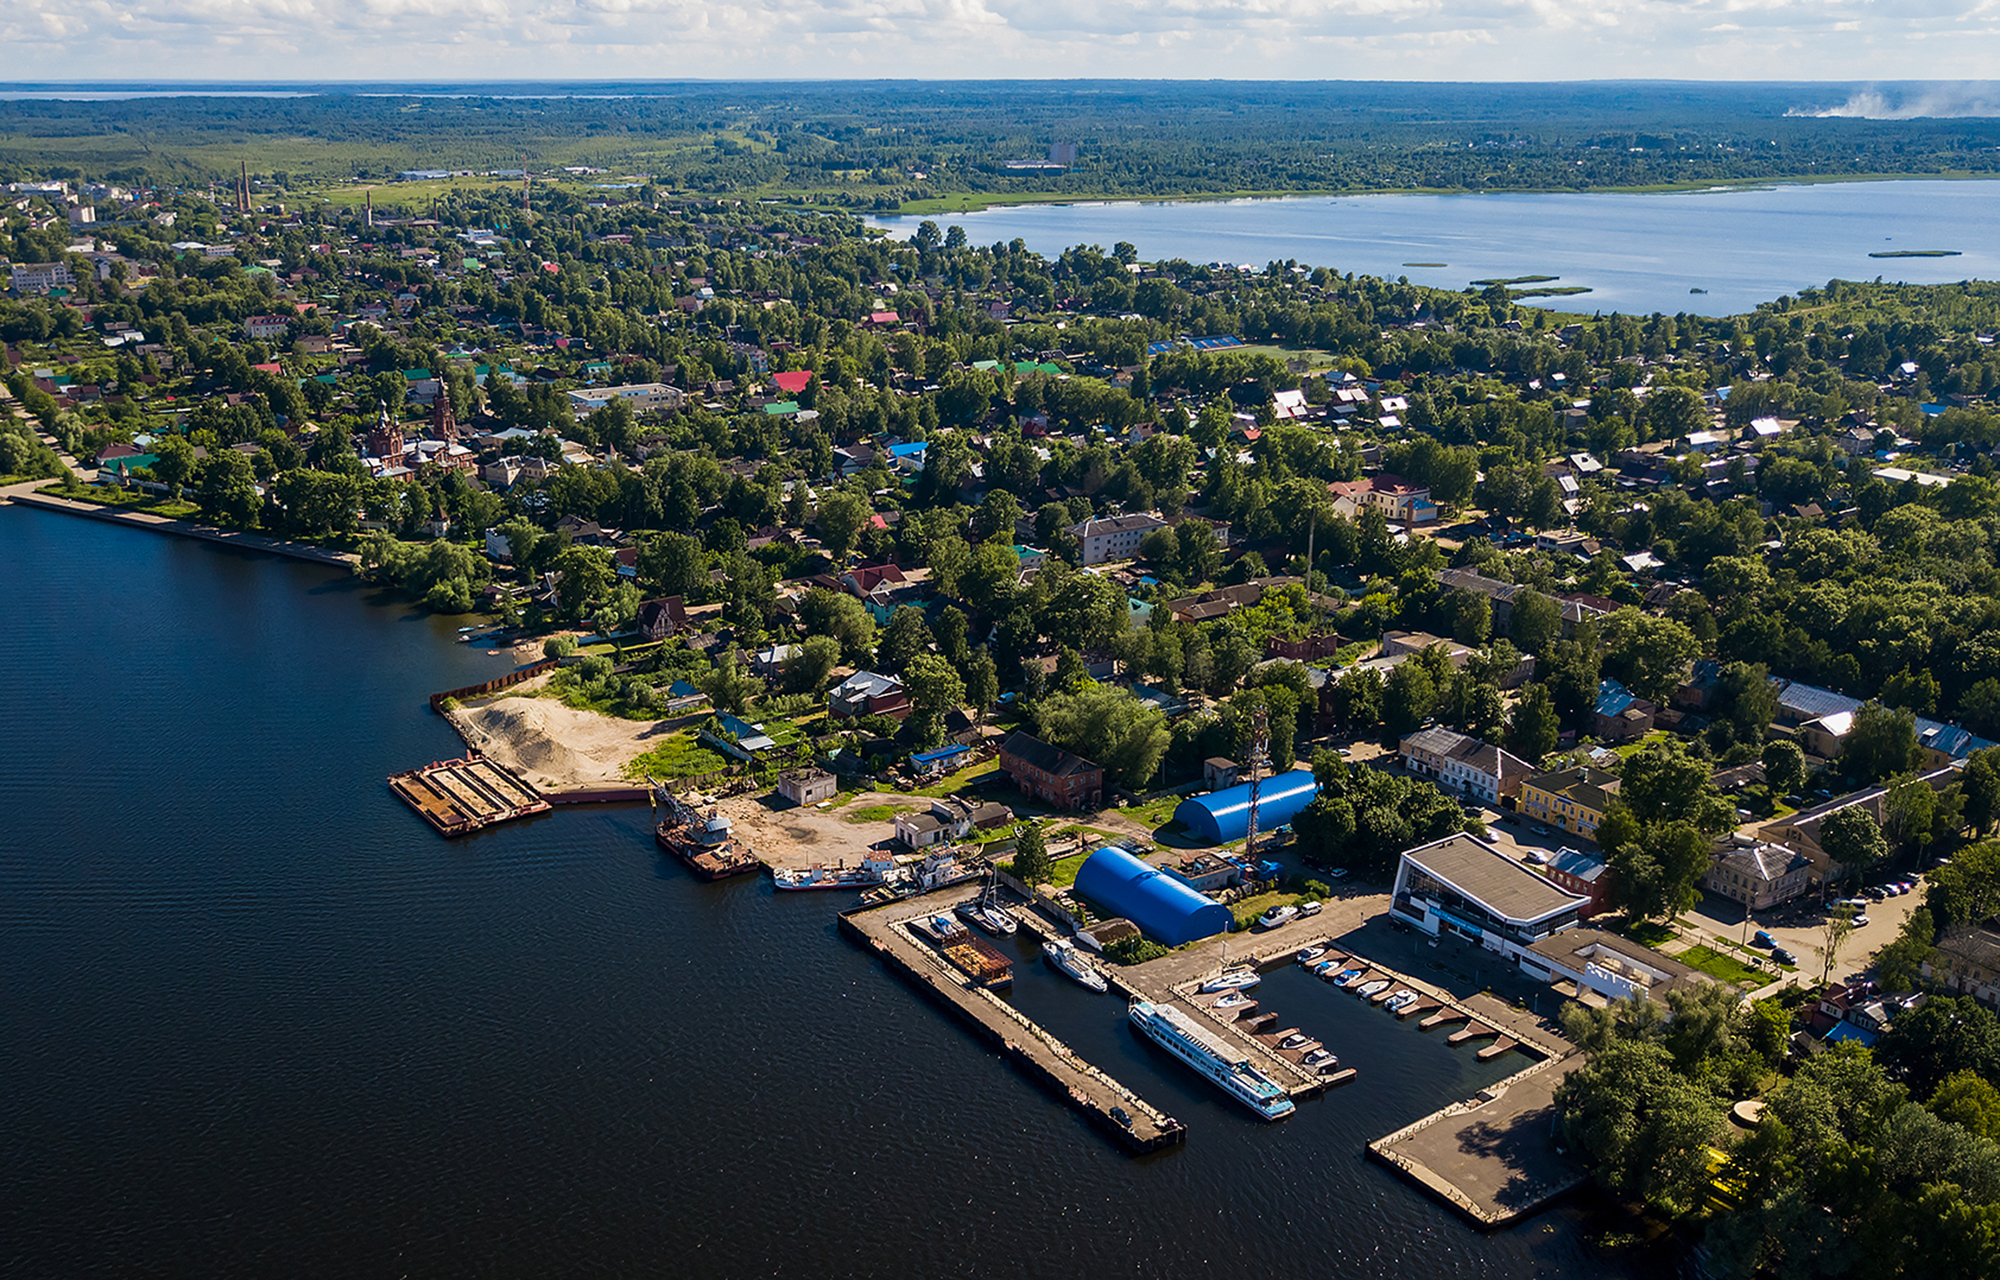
981, 39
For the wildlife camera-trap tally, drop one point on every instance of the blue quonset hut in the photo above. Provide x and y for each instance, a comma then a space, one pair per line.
1163, 907
1222, 816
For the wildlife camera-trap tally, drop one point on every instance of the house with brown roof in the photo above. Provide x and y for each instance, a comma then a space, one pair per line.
1050, 774
1759, 875
1464, 764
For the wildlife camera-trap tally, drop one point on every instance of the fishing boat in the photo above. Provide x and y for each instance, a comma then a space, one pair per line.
1224, 1066
1233, 980
1063, 955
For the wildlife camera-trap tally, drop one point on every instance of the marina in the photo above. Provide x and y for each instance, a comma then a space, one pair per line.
705, 841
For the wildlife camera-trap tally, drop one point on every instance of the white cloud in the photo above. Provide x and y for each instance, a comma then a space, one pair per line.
1249, 39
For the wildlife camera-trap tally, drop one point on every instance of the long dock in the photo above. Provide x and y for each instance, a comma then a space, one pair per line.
461, 796
1086, 1089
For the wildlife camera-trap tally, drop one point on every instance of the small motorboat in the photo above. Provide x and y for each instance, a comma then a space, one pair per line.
1234, 1000
1320, 1060
1401, 1000
1324, 968
941, 928
1342, 978
1233, 980
1309, 954
1376, 987
989, 917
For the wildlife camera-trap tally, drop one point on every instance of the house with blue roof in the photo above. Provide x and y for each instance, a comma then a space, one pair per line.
1619, 715
908, 457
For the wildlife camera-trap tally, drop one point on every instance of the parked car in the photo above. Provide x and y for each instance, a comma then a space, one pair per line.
1875, 893
1763, 939
1535, 857
1337, 873
1783, 956
1311, 908
1539, 830
1859, 920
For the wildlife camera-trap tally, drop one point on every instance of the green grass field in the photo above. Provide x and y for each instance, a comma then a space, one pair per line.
678, 757
1718, 964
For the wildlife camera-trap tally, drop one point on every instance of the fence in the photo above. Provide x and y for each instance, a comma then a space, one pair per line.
507, 681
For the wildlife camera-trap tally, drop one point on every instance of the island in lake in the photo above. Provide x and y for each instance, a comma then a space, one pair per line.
1916, 253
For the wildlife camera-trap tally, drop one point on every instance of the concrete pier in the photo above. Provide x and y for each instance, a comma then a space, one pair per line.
1086, 1089
1492, 1157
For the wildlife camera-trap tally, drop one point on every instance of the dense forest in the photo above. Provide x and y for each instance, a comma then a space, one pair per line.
880, 145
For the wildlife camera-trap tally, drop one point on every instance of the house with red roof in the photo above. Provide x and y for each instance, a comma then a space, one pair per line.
792, 381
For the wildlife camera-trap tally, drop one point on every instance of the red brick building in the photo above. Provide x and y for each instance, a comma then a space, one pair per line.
1051, 774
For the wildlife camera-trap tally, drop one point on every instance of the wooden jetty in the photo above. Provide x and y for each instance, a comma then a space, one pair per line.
1498, 1047
1474, 1031
1445, 1014
459, 796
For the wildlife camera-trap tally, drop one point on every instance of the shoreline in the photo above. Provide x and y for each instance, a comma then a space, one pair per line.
970, 203
25, 495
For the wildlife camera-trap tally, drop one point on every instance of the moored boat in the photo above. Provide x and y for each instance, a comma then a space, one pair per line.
1225, 1066
1063, 954
1233, 980
874, 870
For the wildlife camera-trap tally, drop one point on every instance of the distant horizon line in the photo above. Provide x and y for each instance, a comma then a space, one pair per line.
130, 82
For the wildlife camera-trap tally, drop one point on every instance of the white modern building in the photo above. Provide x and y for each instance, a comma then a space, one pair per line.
1106, 538
1465, 887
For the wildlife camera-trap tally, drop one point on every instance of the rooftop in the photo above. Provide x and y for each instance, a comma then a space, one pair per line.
1482, 872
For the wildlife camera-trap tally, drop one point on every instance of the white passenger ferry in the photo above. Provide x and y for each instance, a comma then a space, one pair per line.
1175, 1032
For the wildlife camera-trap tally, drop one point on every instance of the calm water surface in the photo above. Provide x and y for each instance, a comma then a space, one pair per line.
1637, 253
257, 1020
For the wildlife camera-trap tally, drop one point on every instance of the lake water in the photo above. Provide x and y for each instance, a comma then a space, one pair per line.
1636, 253
258, 1020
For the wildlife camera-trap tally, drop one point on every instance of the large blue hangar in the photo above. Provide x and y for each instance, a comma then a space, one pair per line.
1221, 817
1163, 906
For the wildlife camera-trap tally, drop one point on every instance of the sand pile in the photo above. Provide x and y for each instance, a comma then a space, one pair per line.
554, 746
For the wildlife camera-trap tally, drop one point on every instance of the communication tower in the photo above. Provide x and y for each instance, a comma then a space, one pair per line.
1259, 758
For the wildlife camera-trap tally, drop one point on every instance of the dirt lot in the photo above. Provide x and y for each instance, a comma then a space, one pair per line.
556, 747
784, 836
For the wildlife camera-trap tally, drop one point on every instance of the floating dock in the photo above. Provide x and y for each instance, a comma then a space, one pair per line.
460, 796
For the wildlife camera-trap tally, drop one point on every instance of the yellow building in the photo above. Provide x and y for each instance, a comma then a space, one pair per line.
1573, 800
